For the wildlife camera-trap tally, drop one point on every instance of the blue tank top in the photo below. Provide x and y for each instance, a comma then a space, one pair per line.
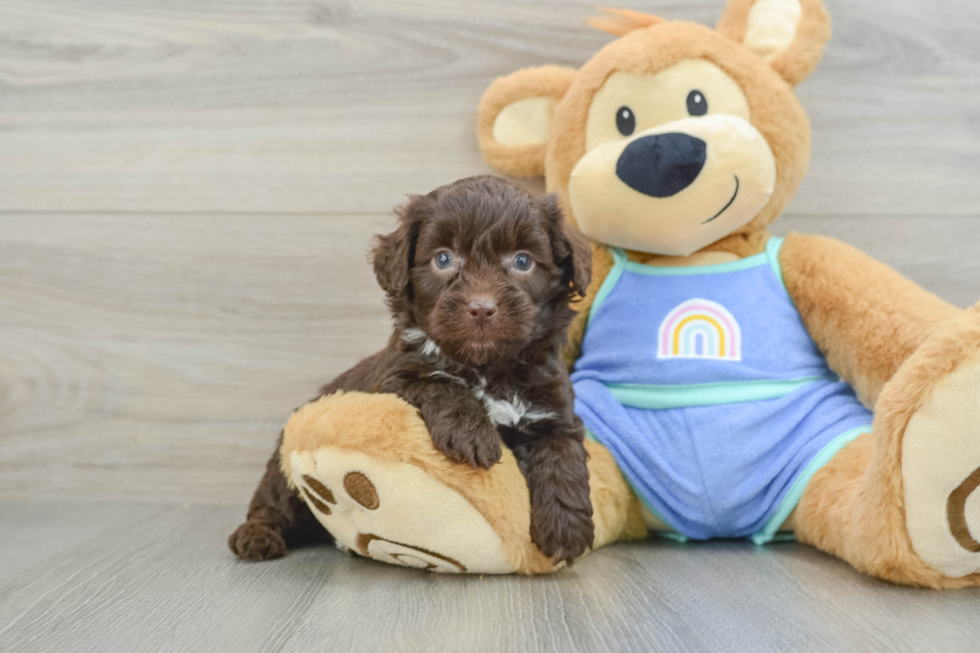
708, 390
670, 337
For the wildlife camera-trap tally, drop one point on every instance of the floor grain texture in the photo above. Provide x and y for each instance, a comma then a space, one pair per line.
187, 193
114, 576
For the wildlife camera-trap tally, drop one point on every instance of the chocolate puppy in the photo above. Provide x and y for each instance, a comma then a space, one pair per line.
478, 276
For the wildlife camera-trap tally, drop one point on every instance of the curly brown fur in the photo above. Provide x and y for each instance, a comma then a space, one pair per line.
477, 348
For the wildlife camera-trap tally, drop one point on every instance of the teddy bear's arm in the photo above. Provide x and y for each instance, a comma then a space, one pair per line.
602, 263
866, 318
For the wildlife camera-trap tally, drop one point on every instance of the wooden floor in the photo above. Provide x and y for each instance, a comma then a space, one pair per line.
187, 192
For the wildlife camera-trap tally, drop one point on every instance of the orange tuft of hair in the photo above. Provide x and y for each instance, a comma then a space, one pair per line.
620, 22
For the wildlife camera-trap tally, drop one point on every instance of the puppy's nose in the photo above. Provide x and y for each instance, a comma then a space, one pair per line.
482, 309
662, 165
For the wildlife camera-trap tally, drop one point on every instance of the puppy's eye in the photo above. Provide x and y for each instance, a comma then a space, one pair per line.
625, 121
443, 260
522, 263
696, 104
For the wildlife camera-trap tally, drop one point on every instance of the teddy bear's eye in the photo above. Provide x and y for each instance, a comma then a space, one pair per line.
625, 121
696, 104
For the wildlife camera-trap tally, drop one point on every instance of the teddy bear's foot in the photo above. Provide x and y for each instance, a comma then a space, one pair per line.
926, 466
396, 513
903, 502
366, 467
941, 472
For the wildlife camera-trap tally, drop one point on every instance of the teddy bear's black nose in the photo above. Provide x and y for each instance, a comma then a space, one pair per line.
661, 165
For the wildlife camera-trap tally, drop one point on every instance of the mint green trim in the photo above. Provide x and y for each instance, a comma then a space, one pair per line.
658, 397
792, 498
689, 270
619, 258
772, 254
673, 533
782, 537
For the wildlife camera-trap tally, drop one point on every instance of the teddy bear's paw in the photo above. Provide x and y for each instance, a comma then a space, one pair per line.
941, 473
395, 512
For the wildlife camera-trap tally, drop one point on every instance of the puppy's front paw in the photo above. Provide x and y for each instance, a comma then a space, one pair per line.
462, 441
561, 533
255, 541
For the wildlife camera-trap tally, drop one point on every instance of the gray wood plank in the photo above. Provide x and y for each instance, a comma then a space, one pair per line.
149, 354
250, 106
935, 252
106, 576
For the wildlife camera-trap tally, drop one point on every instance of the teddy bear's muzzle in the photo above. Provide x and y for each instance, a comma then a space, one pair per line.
662, 165
673, 188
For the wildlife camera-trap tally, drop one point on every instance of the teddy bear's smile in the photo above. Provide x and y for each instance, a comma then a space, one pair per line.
725, 208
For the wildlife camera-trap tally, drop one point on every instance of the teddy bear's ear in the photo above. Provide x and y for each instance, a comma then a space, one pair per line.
515, 116
789, 34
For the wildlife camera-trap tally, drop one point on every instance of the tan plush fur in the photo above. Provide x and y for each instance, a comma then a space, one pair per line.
391, 430
545, 81
802, 56
866, 318
734, 20
739, 244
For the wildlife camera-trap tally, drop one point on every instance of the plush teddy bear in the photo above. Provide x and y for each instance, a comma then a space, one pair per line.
733, 384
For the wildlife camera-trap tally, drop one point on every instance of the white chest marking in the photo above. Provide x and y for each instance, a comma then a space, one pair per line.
415, 335
503, 412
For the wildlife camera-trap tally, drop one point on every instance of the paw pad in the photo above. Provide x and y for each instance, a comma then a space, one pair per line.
321, 491
362, 490
406, 554
395, 512
956, 512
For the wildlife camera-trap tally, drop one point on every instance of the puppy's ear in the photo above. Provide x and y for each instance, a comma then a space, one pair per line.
394, 254
570, 248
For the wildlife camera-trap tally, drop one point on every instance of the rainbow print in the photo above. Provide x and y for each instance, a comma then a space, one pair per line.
700, 328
